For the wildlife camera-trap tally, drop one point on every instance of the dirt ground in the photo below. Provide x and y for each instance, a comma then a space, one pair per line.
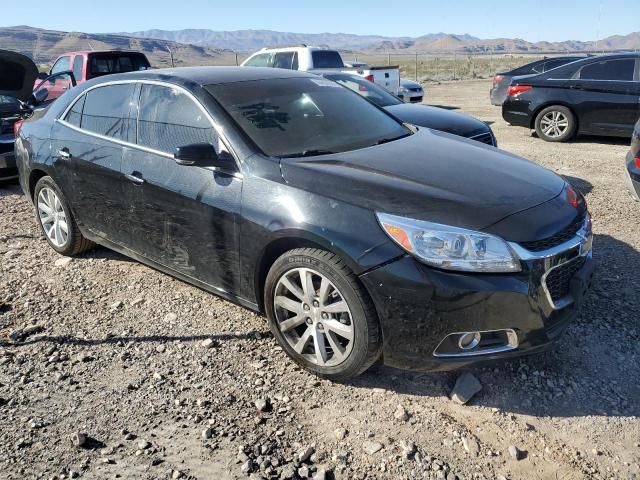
168, 381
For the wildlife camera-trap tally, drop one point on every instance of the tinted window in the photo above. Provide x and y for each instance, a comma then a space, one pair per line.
105, 109
609, 70
168, 119
294, 65
326, 59
77, 67
366, 89
121, 63
62, 65
304, 116
260, 60
550, 65
74, 116
283, 60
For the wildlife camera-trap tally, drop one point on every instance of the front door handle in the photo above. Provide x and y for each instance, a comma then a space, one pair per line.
64, 153
135, 177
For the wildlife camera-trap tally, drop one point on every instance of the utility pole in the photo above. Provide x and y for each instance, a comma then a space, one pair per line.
170, 53
416, 66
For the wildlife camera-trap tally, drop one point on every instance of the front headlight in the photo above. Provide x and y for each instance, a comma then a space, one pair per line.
450, 248
402, 91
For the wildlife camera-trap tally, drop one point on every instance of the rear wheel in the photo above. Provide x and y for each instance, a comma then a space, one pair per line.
555, 124
56, 220
321, 315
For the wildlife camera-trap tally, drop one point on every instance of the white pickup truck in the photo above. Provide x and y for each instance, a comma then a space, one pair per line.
315, 58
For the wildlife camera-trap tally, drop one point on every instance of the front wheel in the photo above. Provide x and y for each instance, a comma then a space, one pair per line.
321, 315
555, 124
56, 220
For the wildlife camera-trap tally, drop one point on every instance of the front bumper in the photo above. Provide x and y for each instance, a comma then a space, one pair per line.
412, 97
419, 307
8, 169
633, 177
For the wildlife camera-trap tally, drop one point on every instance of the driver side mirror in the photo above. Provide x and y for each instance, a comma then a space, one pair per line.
39, 96
204, 155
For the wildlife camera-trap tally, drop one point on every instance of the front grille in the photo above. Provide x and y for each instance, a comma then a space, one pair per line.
486, 138
557, 239
558, 281
416, 99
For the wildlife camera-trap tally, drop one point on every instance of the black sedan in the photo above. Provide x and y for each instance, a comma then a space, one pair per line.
420, 115
633, 163
502, 80
358, 236
594, 96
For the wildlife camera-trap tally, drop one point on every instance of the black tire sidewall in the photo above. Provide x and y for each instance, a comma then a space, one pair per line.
565, 111
68, 247
359, 318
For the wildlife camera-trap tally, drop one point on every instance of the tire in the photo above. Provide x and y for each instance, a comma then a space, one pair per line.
555, 124
48, 195
339, 343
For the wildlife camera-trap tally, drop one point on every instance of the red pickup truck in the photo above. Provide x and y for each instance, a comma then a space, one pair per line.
86, 65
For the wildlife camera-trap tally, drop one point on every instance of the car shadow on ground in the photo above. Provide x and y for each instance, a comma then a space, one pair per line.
581, 184
590, 139
592, 370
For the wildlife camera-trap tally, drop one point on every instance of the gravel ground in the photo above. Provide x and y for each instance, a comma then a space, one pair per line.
127, 373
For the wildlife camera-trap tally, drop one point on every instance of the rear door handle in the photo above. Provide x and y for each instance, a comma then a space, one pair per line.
64, 153
135, 177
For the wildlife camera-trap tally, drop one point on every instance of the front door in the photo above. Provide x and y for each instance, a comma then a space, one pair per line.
606, 96
185, 216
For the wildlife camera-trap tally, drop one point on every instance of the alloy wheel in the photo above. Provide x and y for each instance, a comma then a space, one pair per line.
554, 124
52, 217
313, 317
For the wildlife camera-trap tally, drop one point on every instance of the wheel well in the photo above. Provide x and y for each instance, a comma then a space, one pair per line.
539, 109
33, 179
270, 255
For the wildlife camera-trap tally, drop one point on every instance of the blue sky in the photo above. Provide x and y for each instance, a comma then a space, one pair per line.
532, 20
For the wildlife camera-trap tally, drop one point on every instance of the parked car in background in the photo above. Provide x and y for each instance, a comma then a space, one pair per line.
410, 91
310, 59
502, 80
594, 96
86, 65
633, 163
420, 115
18, 101
357, 235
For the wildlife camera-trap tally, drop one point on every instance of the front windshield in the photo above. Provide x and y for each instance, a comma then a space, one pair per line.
365, 88
291, 117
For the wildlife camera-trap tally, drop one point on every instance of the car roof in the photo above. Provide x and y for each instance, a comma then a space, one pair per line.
209, 75
89, 52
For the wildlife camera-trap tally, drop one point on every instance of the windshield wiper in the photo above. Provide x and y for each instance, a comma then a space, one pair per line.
307, 153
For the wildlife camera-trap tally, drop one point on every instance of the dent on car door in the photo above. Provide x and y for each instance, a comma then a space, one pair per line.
87, 156
185, 216
606, 96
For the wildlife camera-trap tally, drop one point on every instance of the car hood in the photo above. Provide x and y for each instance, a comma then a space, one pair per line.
438, 119
18, 74
409, 83
430, 176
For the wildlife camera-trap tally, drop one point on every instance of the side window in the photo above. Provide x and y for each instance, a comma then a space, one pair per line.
550, 65
260, 60
294, 64
77, 67
283, 60
106, 108
168, 118
62, 65
74, 116
609, 70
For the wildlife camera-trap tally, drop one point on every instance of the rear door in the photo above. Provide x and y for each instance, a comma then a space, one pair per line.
605, 94
87, 150
185, 216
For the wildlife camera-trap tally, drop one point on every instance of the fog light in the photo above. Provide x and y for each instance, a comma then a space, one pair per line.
469, 340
